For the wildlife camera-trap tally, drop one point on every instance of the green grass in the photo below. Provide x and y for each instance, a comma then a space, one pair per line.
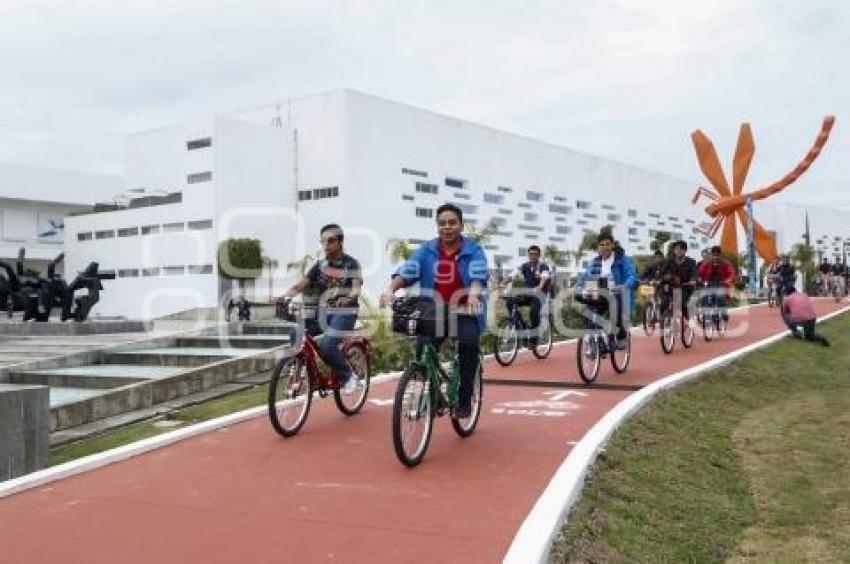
215, 408
747, 464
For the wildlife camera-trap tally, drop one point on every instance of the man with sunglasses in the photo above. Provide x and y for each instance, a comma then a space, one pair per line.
337, 281
453, 270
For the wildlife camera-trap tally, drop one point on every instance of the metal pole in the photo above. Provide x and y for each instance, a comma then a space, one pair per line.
751, 244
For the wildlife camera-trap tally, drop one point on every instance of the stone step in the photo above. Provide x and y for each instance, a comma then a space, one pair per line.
97, 376
268, 329
65, 395
234, 341
178, 356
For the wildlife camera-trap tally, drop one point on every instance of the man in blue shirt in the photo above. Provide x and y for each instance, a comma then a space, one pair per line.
453, 270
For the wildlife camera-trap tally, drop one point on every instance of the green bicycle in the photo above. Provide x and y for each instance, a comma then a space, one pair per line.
426, 390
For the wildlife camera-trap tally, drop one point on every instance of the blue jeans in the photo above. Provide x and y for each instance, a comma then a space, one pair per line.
336, 327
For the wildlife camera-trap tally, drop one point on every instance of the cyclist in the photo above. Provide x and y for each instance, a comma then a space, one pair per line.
537, 279
771, 276
453, 269
787, 276
612, 265
837, 274
680, 271
718, 272
824, 269
652, 273
797, 311
338, 281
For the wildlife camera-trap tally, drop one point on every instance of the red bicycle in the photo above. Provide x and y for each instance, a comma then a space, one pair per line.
295, 378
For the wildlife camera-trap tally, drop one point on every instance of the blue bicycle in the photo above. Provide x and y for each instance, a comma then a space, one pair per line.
513, 329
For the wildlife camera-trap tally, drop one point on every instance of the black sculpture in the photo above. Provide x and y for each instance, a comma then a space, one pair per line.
243, 308
37, 297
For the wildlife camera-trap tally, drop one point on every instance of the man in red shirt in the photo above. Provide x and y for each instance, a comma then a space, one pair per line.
717, 272
797, 311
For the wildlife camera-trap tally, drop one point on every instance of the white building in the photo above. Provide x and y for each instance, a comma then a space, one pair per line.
34, 202
378, 168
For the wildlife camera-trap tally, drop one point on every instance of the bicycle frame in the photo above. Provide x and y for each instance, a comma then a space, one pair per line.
429, 360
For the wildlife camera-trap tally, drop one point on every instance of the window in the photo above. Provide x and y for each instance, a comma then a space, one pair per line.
200, 269
556, 239
199, 143
524, 205
607, 207
173, 227
582, 222
501, 259
613, 217
150, 229
414, 172
174, 270
530, 227
493, 198
633, 231
86, 236
128, 232
640, 223
424, 212
554, 208
558, 218
305, 195
632, 213
563, 229
196, 177
455, 183
591, 216
691, 221
506, 211
151, 271
106, 234
522, 251
199, 225
426, 188
655, 215
462, 196
491, 247
583, 204
329, 192
505, 189
498, 221
467, 208
530, 216
531, 236
671, 218
533, 196
407, 197
128, 273
560, 199
632, 240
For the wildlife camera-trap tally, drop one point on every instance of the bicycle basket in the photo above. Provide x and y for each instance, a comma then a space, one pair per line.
415, 317
647, 291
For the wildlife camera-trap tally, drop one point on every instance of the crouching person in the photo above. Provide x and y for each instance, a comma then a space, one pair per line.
797, 311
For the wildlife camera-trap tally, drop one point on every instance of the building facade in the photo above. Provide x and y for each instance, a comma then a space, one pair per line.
34, 205
380, 169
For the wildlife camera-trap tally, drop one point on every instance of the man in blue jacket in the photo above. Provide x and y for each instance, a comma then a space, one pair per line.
613, 265
453, 269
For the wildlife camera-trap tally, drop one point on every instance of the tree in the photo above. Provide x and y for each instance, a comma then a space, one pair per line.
484, 234
557, 257
300, 265
241, 260
399, 250
588, 242
660, 238
270, 264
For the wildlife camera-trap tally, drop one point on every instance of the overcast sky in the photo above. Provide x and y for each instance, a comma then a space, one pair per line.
627, 80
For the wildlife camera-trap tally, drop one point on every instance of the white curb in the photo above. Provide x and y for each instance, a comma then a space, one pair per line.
534, 538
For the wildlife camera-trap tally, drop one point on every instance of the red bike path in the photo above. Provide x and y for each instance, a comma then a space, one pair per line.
336, 492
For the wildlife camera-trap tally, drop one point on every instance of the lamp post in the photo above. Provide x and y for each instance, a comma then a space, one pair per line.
751, 250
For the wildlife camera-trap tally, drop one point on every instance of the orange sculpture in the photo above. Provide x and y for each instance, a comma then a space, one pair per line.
726, 205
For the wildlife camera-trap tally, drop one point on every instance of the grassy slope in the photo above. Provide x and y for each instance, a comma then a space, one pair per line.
747, 464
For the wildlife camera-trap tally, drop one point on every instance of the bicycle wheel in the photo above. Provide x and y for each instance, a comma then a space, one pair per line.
588, 358
289, 396
621, 356
506, 343
668, 333
465, 427
649, 319
358, 359
687, 333
708, 327
722, 325
413, 416
544, 339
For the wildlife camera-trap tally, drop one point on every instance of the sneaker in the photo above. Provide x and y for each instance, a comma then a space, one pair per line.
350, 386
462, 412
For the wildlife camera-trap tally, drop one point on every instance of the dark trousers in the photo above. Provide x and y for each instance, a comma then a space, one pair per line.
468, 336
535, 302
808, 330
